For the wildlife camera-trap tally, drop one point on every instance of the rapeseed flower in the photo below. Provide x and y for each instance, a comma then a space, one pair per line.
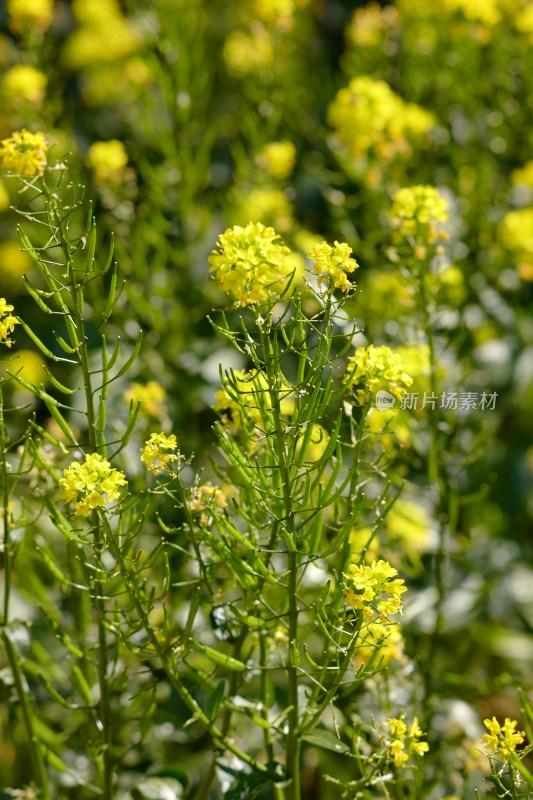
404, 740
502, 739
277, 159
7, 322
36, 15
419, 211
205, 498
251, 264
23, 84
24, 152
374, 588
107, 160
247, 53
376, 368
158, 452
85, 484
150, 396
331, 263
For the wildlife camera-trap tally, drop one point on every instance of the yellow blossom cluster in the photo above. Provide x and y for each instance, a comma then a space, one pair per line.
383, 642
107, 160
516, 231
251, 264
408, 524
150, 396
85, 484
369, 119
23, 84
374, 588
158, 452
7, 322
403, 741
24, 153
524, 176
502, 739
277, 159
264, 204
370, 24
35, 15
331, 263
484, 11
418, 211
248, 52
376, 368
204, 498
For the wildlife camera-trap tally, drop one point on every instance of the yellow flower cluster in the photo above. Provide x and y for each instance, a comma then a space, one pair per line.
407, 523
404, 740
516, 230
370, 24
158, 452
103, 35
250, 264
107, 160
277, 159
331, 263
524, 21
374, 588
502, 739
376, 368
36, 15
524, 176
418, 211
266, 205
387, 640
246, 53
204, 498
369, 119
23, 84
90, 480
484, 11
150, 396
7, 322
24, 152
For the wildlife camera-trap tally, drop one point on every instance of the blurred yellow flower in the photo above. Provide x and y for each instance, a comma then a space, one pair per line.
408, 526
29, 365
485, 11
369, 119
103, 36
419, 211
107, 160
266, 205
24, 153
516, 230
311, 445
524, 176
384, 642
4, 197
23, 84
35, 15
151, 397
247, 53
277, 159
369, 25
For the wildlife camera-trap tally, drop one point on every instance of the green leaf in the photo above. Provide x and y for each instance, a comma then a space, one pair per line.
328, 741
157, 789
215, 700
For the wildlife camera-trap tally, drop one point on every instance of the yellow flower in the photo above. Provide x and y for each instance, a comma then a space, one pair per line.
205, 498
418, 211
516, 231
85, 484
374, 588
485, 11
386, 640
7, 322
14, 262
157, 452
246, 53
404, 740
24, 152
250, 264
24, 84
376, 368
331, 263
524, 176
316, 443
103, 35
369, 119
150, 396
277, 158
269, 206
107, 160
504, 738
36, 15
407, 524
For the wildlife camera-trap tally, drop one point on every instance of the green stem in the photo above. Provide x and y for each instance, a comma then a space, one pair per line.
92, 445
36, 755
292, 739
